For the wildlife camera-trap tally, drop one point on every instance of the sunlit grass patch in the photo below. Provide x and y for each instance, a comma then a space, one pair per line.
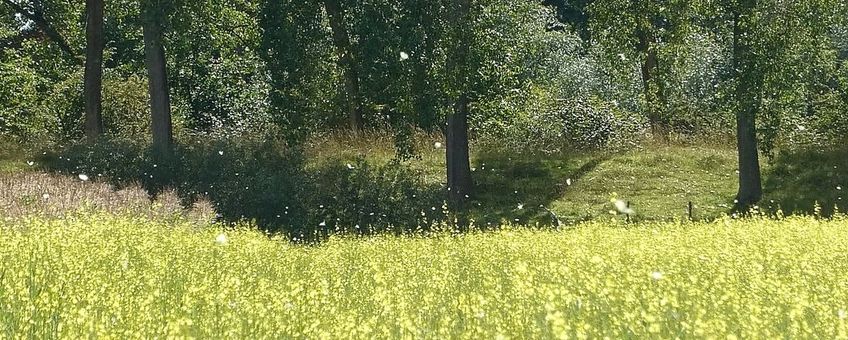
103, 275
659, 183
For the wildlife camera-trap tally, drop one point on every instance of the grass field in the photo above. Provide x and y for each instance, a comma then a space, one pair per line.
658, 180
111, 276
84, 259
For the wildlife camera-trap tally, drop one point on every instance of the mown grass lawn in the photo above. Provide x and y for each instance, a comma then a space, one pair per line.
108, 276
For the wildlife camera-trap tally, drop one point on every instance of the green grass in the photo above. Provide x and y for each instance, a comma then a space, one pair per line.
13, 157
659, 184
106, 276
659, 181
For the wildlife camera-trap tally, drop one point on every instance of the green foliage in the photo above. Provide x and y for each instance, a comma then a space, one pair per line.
360, 198
263, 65
261, 180
246, 180
215, 66
125, 106
295, 47
20, 116
568, 125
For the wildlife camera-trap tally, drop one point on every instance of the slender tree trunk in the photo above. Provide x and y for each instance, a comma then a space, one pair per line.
750, 182
160, 101
458, 163
347, 63
650, 88
93, 69
425, 103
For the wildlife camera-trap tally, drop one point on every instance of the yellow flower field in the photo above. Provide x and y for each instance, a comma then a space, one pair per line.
107, 276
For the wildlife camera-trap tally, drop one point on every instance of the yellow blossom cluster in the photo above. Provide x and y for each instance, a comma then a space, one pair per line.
107, 276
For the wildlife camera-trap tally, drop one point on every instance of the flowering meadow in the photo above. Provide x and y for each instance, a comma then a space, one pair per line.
114, 276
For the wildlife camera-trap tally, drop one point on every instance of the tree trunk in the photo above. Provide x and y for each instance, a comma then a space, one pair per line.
347, 63
160, 102
93, 69
458, 163
425, 103
458, 160
750, 183
650, 88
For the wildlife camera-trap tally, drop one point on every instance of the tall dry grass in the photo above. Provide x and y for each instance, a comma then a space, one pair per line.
32, 193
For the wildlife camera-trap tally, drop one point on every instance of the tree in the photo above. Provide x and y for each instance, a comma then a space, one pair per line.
645, 27
295, 53
748, 82
154, 53
574, 14
93, 77
34, 11
346, 62
214, 68
458, 161
425, 36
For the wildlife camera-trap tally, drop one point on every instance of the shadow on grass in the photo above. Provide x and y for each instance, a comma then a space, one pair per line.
798, 182
264, 182
520, 190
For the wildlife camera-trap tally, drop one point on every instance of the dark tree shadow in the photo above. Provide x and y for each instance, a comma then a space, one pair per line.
798, 182
268, 184
519, 190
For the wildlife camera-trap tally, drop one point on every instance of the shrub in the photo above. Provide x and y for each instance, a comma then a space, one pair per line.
264, 181
362, 198
569, 125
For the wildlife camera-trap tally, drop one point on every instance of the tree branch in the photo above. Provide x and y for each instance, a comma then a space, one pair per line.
48, 29
18, 40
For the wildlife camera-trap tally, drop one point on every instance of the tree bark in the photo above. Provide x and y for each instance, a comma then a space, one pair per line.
160, 101
422, 92
347, 63
750, 182
93, 78
458, 160
650, 88
458, 163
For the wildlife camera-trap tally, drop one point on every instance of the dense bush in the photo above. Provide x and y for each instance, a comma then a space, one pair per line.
362, 198
261, 180
567, 125
599, 125
125, 106
21, 114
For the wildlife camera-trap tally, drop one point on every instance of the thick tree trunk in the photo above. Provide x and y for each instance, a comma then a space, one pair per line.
347, 63
458, 160
160, 101
93, 78
750, 182
458, 163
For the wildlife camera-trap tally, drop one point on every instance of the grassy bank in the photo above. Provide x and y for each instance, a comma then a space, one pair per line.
658, 181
